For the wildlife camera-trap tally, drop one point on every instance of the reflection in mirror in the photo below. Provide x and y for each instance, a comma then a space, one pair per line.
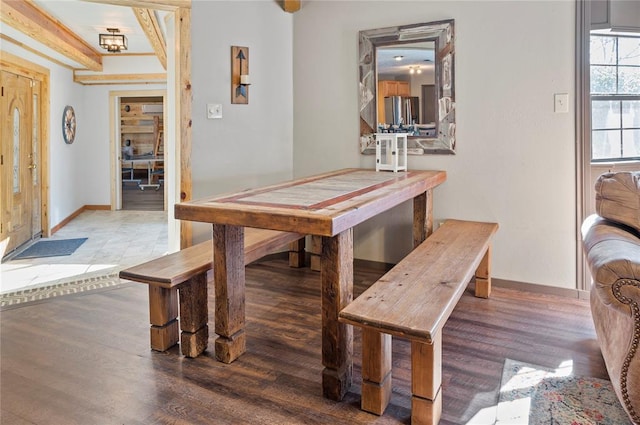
406, 85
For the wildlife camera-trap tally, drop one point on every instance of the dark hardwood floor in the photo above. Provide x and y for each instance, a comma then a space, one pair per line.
85, 359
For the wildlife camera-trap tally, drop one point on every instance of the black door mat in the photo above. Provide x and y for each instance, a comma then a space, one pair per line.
52, 248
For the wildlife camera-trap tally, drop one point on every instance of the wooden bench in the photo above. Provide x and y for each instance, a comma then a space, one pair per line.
185, 272
414, 300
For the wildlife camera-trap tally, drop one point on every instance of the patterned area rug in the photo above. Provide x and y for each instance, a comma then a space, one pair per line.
535, 395
88, 282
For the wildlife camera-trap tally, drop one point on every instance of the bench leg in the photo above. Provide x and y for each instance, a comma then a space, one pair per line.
194, 315
163, 314
376, 371
483, 276
229, 281
426, 381
296, 253
337, 292
316, 253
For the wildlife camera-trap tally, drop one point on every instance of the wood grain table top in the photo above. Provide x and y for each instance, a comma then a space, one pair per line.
324, 205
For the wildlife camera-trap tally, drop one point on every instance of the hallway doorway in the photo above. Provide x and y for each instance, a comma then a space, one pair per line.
138, 146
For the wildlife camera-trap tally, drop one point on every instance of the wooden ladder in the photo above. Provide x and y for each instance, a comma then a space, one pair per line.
157, 168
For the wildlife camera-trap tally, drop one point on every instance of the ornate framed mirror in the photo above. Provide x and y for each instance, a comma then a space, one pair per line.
406, 84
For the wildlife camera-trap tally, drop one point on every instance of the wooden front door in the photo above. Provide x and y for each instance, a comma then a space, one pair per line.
19, 166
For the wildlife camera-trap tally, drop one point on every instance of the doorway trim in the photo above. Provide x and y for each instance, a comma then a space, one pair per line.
114, 140
19, 66
583, 134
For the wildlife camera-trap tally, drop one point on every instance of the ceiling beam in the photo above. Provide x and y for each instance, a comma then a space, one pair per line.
119, 78
291, 5
149, 23
34, 51
170, 5
26, 17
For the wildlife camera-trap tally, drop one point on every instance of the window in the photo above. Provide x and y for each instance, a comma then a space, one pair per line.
615, 97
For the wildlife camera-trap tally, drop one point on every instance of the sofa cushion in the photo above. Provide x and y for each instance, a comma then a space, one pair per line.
618, 197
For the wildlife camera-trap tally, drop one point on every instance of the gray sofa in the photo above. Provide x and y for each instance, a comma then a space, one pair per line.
611, 240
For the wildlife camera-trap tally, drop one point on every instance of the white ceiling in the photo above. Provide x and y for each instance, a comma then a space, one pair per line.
88, 20
420, 55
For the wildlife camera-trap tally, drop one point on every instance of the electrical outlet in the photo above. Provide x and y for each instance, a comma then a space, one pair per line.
561, 103
214, 111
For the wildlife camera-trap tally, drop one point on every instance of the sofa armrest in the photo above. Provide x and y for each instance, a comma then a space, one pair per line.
612, 252
618, 197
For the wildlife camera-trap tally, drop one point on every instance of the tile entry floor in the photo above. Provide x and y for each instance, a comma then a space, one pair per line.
116, 240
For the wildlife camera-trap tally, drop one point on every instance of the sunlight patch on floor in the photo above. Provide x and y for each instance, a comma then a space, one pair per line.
23, 275
521, 386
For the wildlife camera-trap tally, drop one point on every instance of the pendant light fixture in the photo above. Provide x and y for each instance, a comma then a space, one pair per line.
113, 42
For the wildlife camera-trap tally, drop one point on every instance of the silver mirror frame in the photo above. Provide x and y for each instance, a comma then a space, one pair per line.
442, 33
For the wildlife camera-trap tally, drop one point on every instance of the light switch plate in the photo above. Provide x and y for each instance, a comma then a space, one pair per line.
214, 111
561, 103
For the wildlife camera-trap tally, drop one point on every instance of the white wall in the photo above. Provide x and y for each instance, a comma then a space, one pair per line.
515, 158
252, 145
95, 187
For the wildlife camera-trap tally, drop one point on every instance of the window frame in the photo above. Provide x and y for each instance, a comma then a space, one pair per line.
613, 97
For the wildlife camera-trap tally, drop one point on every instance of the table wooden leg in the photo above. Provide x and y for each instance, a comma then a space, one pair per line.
337, 292
194, 315
422, 217
229, 281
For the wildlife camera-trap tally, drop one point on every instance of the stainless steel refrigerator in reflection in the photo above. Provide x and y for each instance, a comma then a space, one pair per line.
401, 110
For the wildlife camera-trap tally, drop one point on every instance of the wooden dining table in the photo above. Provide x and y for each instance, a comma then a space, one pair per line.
328, 205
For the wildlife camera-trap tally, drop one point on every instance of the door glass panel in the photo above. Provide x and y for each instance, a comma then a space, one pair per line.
34, 138
16, 150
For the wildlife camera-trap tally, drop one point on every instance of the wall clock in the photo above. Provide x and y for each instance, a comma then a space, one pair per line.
68, 124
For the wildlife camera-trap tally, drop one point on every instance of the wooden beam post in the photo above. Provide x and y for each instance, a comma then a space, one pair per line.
151, 27
183, 81
291, 5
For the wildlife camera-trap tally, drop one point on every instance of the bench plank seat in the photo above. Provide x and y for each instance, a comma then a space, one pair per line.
171, 270
414, 300
180, 279
417, 296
